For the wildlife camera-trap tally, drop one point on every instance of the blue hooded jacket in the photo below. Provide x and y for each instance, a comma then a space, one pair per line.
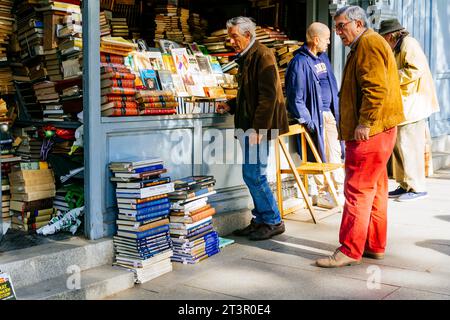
304, 99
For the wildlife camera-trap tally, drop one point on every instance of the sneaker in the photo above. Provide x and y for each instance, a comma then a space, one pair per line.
252, 227
326, 201
266, 232
397, 193
412, 196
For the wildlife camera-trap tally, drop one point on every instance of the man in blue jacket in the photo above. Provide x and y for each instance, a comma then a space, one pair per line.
312, 99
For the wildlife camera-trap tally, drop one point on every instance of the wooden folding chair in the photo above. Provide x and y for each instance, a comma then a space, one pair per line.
305, 169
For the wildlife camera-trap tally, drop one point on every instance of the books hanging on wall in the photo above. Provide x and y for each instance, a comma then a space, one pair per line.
142, 243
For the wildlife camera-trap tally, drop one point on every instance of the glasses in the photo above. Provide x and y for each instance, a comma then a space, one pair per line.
341, 26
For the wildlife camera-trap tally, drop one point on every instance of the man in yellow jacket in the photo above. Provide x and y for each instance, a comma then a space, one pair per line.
419, 102
371, 108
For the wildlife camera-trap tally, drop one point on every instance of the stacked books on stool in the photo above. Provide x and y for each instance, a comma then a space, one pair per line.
142, 243
191, 229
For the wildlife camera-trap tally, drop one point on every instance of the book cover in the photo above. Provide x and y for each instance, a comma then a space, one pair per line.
118, 75
144, 183
156, 60
165, 79
169, 65
159, 105
120, 83
145, 227
150, 79
119, 105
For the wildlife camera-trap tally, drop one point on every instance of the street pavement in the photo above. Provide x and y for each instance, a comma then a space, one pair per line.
416, 266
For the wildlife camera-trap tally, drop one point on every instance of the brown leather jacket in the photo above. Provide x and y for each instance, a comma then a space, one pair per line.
260, 102
370, 91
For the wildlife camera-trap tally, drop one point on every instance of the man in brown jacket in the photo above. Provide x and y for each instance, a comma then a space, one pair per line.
259, 115
370, 108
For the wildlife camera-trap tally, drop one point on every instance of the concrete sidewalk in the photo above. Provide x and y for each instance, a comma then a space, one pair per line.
417, 263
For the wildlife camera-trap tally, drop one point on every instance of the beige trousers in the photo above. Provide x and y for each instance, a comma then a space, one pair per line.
408, 159
333, 154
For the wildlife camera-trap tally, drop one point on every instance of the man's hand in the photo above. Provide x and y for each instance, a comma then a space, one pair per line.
255, 138
222, 108
362, 133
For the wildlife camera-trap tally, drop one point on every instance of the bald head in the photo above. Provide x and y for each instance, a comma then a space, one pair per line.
318, 37
317, 29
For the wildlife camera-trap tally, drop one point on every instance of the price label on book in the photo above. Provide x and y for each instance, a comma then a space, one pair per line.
6, 288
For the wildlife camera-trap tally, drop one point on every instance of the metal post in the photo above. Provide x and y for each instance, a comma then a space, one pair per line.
92, 120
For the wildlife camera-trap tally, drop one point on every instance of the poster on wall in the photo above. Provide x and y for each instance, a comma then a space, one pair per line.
6, 287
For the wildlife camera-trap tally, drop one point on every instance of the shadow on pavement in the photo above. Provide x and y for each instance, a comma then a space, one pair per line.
445, 218
439, 245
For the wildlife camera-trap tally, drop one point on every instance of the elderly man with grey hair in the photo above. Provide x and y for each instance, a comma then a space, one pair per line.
370, 110
260, 115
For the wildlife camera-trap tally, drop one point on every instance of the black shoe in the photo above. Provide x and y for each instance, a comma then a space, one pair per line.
397, 193
252, 227
266, 231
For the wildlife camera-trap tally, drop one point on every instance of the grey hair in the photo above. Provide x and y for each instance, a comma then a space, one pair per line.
244, 25
353, 13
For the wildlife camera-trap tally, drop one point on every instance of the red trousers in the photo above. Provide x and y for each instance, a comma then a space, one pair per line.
364, 221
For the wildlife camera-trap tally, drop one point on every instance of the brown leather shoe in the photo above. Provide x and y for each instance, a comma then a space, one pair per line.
252, 227
373, 255
337, 260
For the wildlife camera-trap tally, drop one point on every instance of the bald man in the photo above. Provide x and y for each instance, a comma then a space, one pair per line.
312, 97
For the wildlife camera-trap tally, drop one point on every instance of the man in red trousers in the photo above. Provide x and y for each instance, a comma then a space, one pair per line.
371, 108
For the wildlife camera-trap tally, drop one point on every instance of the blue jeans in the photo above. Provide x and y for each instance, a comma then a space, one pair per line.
254, 169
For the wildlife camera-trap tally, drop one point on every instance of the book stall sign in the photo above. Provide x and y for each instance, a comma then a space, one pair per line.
6, 288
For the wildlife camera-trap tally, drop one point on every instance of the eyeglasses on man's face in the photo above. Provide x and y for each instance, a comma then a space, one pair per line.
341, 26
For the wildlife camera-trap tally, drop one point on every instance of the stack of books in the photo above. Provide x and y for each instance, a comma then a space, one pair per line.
70, 44
217, 42
117, 46
6, 163
48, 97
284, 53
142, 243
119, 27
156, 102
6, 80
270, 36
30, 29
198, 27
29, 149
6, 27
193, 236
32, 192
105, 28
118, 88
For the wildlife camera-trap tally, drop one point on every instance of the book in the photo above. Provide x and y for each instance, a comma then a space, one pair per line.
150, 79
111, 98
144, 227
159, 105
165, 79
120, 83
145, 210
147, 192
141, 235
119, 104
156, 60
158, 111
188, 194
143, 183
119, 91
118, 112
194, 217
118, 75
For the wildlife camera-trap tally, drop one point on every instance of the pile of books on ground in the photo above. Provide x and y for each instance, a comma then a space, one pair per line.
156, 102
32, 193
193, 236
284, 53
143, 243
118, 87
7, 160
